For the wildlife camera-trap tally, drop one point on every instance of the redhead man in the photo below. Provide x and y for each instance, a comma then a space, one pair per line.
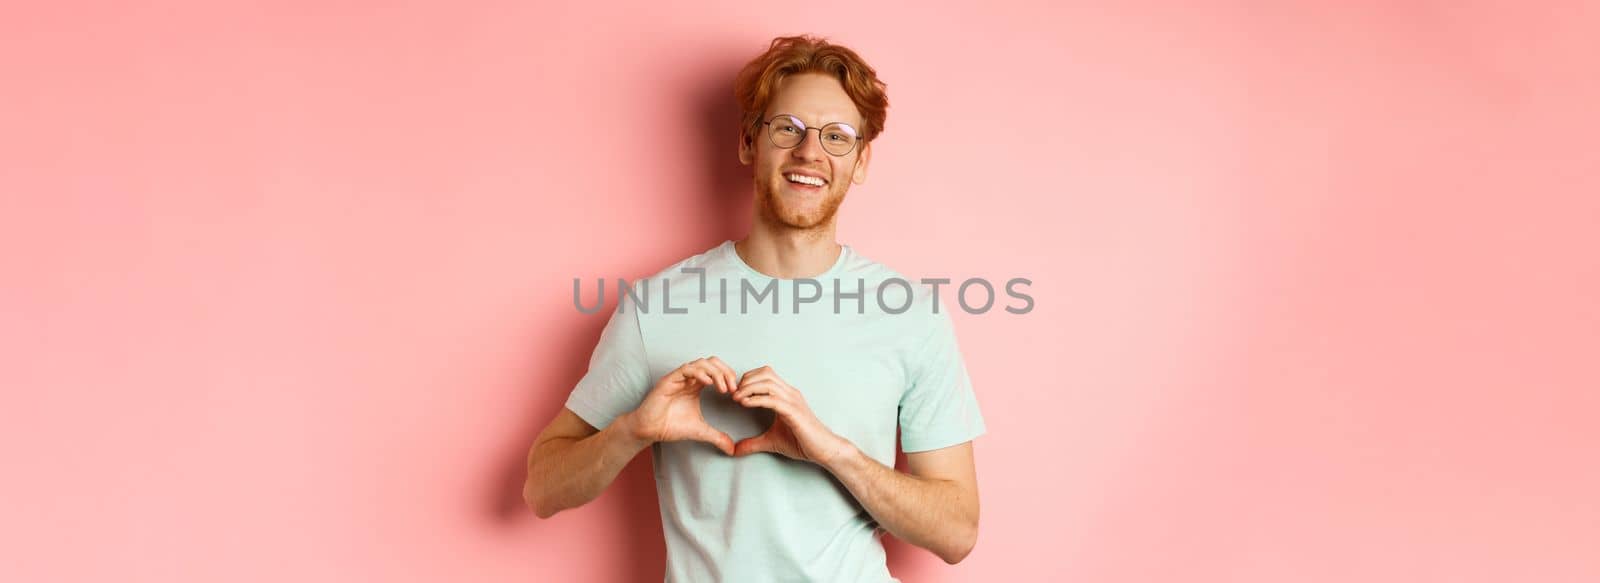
772, 427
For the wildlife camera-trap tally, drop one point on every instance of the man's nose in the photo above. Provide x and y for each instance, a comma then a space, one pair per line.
809, 149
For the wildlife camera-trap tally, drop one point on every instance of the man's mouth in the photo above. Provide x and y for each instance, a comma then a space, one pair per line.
805, 180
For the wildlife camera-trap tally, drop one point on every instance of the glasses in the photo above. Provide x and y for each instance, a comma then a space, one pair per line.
787, 131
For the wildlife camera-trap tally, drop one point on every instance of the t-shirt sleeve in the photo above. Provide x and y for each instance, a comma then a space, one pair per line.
619, 372
938, 408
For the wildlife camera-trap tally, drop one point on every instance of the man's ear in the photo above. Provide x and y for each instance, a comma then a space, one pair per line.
746, 149
859, 174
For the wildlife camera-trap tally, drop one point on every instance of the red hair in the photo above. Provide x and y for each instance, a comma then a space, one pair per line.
790, 55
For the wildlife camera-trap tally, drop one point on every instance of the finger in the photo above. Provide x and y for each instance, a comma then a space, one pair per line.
711, 371
745, 390
686, 371
726, 373
755, 374
772, 386
714, 367
715, 374
701, 375
763, 402
760, 387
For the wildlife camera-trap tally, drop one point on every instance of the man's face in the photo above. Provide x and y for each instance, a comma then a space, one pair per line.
817, 100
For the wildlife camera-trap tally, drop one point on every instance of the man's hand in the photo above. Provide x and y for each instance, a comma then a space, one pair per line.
796, 432
671, 410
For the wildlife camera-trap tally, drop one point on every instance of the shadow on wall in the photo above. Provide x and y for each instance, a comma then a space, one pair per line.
718, 208
727, 192
908, 562
634, 488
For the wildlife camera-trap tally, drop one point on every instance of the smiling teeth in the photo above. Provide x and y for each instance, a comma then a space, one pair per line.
802, 179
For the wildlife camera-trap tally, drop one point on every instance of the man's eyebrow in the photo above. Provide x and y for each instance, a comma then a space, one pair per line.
834, 120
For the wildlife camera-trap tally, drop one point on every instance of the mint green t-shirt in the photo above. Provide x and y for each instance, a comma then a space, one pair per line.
869, 362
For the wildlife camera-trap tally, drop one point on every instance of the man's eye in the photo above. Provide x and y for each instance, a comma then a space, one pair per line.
788, 129
836, 137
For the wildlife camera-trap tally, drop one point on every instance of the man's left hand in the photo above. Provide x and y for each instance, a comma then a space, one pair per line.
796, 432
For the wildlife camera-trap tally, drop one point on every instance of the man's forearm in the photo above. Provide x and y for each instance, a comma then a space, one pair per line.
566, 473
938, 515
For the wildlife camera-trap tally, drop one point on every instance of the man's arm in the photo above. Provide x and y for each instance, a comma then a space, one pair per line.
571, 462
935, 506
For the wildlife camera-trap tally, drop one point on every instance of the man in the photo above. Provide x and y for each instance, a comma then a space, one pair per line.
772, 424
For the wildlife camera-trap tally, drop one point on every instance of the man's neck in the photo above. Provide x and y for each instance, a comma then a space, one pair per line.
789, 253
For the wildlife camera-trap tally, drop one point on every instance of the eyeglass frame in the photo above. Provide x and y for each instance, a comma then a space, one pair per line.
768, 122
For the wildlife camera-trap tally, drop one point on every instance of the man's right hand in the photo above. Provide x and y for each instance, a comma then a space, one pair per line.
671, 411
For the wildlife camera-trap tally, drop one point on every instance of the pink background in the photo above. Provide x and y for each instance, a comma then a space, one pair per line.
288, 285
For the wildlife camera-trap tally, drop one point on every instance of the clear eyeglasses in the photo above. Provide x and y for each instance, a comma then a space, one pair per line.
787, 131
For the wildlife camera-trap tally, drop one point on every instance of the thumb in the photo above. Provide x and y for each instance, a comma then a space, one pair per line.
714, 437
750, 445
